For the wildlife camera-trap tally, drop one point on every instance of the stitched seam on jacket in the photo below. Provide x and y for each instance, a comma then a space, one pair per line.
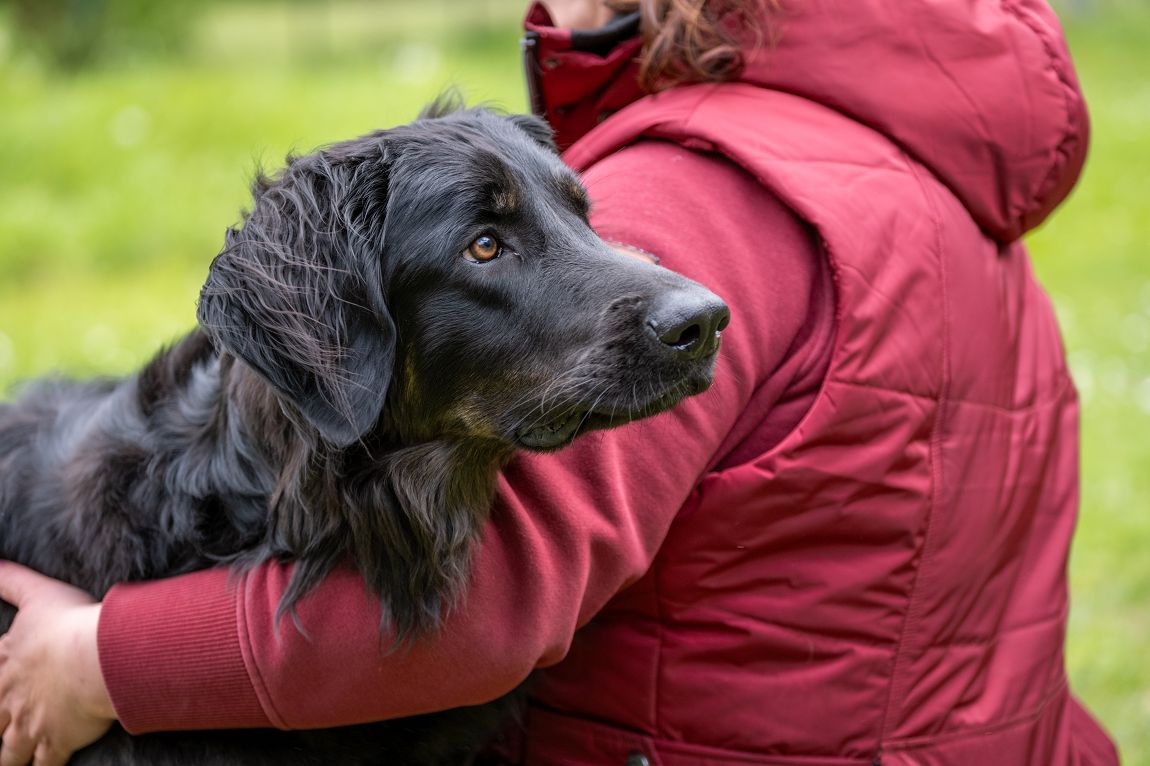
1001, 633
897, 685
661, 626
1057, 398
914, 743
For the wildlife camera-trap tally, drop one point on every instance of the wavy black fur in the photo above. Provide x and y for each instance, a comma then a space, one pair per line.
354, 388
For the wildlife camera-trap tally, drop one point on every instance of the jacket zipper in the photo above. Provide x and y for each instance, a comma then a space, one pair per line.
528, 45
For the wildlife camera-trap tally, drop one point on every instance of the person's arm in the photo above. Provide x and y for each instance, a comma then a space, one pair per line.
568, 531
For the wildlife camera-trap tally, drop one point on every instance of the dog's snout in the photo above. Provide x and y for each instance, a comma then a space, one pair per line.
688, 322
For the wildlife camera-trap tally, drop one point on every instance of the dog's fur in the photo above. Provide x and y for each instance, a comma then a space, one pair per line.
354, 387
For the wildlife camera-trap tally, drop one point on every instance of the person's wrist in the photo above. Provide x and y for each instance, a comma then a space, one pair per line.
93, 692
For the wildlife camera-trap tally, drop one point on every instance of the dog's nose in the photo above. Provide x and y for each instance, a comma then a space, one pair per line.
688, 322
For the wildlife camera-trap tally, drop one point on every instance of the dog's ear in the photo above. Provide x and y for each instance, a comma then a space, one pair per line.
537, 128
297, 291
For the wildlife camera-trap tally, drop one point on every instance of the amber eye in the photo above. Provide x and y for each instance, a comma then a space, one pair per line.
483, 249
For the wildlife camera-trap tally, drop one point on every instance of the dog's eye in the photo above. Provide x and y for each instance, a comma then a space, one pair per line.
483, 249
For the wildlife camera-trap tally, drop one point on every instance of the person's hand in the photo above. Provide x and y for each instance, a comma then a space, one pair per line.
52, 695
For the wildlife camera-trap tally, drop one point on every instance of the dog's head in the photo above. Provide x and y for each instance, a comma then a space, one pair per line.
447, 269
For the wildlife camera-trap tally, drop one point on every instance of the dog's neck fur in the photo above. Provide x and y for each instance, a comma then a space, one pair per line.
403, 515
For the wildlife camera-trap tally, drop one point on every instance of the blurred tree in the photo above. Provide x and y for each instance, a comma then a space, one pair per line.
73, 34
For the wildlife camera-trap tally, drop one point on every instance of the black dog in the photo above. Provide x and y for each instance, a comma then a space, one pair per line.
395, 317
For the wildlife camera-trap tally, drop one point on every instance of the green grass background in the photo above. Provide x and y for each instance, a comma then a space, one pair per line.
116, 185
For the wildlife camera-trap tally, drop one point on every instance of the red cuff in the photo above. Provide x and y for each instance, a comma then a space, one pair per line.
171, 655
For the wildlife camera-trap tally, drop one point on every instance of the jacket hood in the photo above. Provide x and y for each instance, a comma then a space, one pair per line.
982, 92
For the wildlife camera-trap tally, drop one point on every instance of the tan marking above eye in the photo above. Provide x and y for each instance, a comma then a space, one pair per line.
569, 186
576, 193
506, 201
483, 249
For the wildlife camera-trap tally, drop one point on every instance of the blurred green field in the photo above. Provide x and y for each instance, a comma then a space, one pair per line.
116, 185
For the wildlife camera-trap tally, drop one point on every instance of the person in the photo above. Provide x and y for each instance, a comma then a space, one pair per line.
852, 550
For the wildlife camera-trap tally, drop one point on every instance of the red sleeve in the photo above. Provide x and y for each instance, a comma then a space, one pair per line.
569, 530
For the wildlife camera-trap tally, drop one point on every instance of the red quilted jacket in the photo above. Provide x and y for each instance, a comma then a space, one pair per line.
886, 583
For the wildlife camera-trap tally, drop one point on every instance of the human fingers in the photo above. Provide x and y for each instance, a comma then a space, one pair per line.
18, 746
18, 582
49, 755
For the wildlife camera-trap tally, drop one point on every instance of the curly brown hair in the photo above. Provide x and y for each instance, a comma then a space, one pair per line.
687, 41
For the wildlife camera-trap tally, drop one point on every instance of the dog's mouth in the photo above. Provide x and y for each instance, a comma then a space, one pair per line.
572, 422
